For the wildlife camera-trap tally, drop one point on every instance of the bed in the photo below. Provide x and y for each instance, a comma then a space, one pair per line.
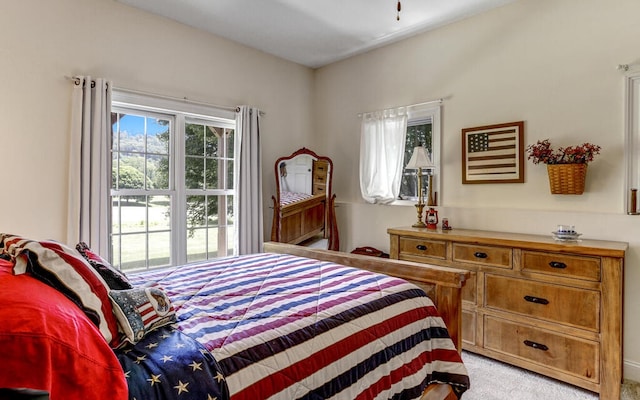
304, 207
271, 325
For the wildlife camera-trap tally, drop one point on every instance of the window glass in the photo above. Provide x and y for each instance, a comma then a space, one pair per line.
423, 128
171, 191
419, 133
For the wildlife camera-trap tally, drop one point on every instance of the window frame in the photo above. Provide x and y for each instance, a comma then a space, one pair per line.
416, 115
632, 137
180, 112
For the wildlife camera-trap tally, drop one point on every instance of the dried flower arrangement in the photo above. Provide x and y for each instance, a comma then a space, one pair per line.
541, 152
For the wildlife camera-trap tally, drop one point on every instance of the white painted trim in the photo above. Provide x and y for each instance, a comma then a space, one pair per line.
157, 103
631, 370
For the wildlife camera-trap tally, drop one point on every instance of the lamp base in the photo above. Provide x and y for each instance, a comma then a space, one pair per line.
419, 224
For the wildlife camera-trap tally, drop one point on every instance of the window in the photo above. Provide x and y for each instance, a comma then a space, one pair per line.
632, 146
172, 188
423, 128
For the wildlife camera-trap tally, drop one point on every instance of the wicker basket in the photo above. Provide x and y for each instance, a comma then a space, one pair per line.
567, 178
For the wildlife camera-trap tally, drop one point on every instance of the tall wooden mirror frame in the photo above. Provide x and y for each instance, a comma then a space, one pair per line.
299, 221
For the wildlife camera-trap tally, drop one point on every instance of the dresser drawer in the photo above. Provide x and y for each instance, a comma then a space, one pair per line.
579, 267
320, 167
567, 305
549, 349
423, 248
501, 257
319, 188
320, 177
469, 327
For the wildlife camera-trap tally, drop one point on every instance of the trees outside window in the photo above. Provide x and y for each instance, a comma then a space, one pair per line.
172, 187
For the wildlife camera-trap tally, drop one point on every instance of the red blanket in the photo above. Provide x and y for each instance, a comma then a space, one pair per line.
49, 344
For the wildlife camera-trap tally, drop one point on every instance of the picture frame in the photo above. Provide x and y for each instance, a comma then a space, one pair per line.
493, 153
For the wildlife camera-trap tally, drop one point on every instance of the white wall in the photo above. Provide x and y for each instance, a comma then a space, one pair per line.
44, 41
551, 63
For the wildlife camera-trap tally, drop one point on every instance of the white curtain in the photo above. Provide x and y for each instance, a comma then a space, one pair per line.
89, 163
382, 141
249, 226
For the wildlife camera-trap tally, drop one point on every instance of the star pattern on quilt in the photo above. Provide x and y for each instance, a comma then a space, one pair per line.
196, 365
181, 387
139, 359
169, 365
154, 379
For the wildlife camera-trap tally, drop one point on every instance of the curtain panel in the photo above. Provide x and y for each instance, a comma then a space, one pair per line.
382, 142
249, 228
89, 163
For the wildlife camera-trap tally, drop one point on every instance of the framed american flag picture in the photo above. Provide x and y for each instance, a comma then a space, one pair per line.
493, 153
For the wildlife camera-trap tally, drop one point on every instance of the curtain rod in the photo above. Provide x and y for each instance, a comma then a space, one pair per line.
183, 99
407, 106
161, 96
627, 67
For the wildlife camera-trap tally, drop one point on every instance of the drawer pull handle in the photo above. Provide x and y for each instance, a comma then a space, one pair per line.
479, 254
421, 247
537, 300
557, 264
538, 346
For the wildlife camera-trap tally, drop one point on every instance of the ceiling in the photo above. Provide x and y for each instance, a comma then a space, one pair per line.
315, 32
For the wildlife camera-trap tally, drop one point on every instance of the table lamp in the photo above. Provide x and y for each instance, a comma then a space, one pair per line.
420, 159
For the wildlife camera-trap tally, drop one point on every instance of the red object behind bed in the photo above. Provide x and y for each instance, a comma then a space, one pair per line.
48, 343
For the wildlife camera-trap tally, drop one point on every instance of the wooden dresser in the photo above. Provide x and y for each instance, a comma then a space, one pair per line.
320, 173
548, 306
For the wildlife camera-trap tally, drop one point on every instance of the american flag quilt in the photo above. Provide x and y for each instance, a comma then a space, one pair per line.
286, 327
167, 364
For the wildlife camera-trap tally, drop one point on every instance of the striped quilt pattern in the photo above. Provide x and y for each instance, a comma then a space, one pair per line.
287, 198
286, 327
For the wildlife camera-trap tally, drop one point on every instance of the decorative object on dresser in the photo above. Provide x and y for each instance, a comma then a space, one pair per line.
432, 218
549, 306
493, 153
566, 166
304, 205
420, 160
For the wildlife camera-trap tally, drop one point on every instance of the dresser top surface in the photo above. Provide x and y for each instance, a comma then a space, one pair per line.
545, 242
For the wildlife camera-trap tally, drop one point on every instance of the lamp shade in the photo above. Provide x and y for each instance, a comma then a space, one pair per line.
420, 159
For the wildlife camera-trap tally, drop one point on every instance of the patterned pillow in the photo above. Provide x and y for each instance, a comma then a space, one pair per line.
141, 310
115, 278
64, 269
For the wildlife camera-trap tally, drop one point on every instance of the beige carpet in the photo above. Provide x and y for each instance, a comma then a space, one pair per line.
493, 380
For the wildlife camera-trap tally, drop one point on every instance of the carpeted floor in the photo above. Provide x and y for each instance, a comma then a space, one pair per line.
493, 380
